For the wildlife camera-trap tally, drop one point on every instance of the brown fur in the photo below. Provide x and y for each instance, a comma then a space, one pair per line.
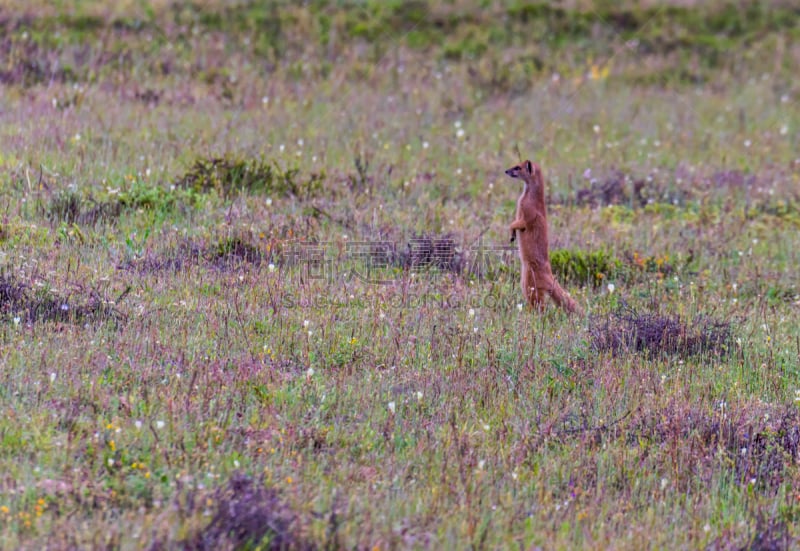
529, 229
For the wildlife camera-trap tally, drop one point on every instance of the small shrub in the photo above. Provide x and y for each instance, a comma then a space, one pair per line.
226, 254
624, 190
627, 330
431, 251
759, 443
777, 294
614, 190
235, 250
230, 175
770, 534
66, 206
181, 257
72, 207
21, 303
582, 267
12, 293
649, 264
27, 63
251, 516
141, 196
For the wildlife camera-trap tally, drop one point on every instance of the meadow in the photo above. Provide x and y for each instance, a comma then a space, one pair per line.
256, 289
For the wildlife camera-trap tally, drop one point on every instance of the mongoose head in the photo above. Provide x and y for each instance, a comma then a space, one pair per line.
527, 171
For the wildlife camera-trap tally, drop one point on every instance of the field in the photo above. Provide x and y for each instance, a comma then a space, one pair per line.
257, 291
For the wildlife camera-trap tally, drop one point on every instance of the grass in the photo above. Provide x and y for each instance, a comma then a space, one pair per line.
293, 316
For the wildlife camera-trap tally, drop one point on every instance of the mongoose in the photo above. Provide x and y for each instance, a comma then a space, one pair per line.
530, 225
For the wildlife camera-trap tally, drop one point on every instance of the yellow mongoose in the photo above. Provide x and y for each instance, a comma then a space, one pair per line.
531, 225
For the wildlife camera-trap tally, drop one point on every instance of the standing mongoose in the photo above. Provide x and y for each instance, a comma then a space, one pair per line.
531, 226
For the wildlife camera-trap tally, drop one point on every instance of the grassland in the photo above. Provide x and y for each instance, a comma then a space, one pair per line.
256, 289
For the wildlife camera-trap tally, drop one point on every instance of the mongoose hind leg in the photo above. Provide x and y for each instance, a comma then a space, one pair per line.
533, 288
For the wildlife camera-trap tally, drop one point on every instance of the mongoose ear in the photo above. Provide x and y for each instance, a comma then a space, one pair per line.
529, 167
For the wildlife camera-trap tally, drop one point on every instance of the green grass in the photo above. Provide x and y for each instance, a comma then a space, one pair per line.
255, 271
